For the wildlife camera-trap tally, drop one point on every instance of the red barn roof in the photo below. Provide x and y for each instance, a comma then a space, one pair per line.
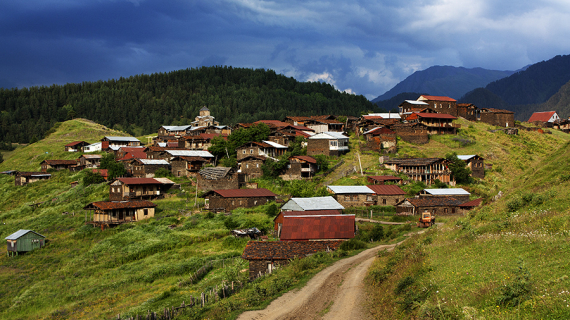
318, 227
541, 116
386, 189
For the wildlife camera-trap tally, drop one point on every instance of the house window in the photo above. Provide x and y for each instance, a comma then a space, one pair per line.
445, 210
347, 198
247, 166
145, 212
452, 210
243, 151
250, 151
257, 165
383, 201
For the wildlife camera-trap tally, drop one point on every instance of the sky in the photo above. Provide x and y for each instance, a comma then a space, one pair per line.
361, 47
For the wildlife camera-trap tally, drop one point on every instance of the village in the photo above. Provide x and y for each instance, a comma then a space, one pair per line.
303, 226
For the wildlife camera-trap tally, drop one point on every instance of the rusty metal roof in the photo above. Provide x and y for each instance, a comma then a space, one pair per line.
436, 98
318, 227
386, 189
435, 116
472, 203
110, 205
74, 143
243, 193
308, 159
285, 250
60, 162
541, 116
131, 181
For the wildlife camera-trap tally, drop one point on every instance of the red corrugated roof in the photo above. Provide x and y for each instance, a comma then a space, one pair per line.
301, 133
74, 143
472, 203
244, 193
130, 181
103, 172
437, 98
302, 128
380, 130
541, 116
285, 250
317, 227
133, 155
386, 189
372, 117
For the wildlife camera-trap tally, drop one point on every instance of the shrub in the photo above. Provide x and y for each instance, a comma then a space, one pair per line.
162, 173
90, 177
272, 210
516, 292
353, 244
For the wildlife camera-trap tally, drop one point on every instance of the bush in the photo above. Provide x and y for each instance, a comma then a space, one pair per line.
353, 244
272, 210
516, 292
162, 173
377, 233
90, 177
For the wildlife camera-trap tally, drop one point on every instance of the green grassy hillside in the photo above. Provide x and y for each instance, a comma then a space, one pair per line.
506, 260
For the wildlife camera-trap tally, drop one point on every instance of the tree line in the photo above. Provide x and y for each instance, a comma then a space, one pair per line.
141, 104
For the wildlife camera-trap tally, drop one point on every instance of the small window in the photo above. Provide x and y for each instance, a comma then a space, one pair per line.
257, 165
243, 152
251, 151
247, 166
384, 201
145, 212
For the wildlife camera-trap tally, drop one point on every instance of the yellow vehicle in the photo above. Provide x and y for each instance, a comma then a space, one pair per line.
426, 220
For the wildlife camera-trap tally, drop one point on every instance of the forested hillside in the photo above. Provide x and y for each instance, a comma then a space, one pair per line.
141, 104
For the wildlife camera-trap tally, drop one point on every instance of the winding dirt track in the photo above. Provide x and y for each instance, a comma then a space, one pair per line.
336, 293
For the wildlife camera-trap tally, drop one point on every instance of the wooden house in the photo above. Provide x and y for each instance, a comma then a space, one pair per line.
58, 165
266, 256
117, 142
138, 188
278, 220
327, 143
383, 179
475, 163
75, 146
312, 204
216, 178
387, 195
422, 169
300, 167
23, 178
108, 213
250, 167
202, 141
145, 168
90, 161
170, 132
437, 123
230, 199
438, 206
381, 138
266, 149
497, 117
24, 241
353, 196
441, 104
318, 227
186, 166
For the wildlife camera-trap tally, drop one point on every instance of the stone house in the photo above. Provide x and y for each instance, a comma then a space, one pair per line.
250, 167
411, 132
90, 161
111, 141
383, 179
266, 149
172, 132
327, 143
230, 199
107, 213
468, 111
300, 167
438, 206
353, 196
475, 163
441, 104
266, 256
312, 204
186, 166
317, 227
497, 117
437, 123
422, 169
216, 178
23, 178
387, 195
123, 189
58, 165
75, 146
145, 168
204, 119
381, 138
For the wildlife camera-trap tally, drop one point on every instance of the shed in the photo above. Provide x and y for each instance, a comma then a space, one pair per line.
318, 227
24, 241
312, 204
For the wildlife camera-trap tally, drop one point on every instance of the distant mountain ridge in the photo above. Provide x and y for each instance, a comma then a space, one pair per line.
448, 81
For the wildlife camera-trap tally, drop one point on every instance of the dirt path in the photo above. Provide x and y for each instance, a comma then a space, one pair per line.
336, 293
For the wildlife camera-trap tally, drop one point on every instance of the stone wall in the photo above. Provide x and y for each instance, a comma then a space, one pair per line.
178, 168
418, 136
319, 146
498, 119
389, 200
228, 204
261, 266
355, 200
230, 181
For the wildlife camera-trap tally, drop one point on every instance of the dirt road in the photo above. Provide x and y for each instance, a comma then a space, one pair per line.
336, 293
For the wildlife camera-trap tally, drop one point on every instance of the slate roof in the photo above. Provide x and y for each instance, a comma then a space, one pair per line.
213, 173
318, 227
285, 250
110, 205
541, 116
243, 193
390, 190
16, 235
314, 203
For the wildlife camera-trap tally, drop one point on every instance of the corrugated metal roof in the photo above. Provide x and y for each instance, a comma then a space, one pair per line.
154, 161
386, 189
275, 145
113, 138
244, 193
285, 250
542, 116
350, 189
466, 157
420, 103
447, 192
176, 128
130, 181
16, 235
314, 203
190, 153
318, 227
329, 135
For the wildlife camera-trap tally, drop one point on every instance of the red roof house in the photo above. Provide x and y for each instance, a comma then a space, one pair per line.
229, 199
318, 227
278, 220
547, 116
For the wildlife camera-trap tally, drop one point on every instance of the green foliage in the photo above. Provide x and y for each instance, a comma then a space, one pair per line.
306, 189
90, 177
115, 169
296, 147
6, 146
163, 173
353, 244
377, 233
414, 188
272, 210
518, 290
230, 223
459, 170
322, 162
